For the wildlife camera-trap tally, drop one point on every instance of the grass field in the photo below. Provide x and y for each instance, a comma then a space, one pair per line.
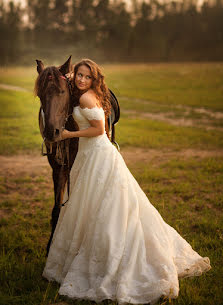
170, 133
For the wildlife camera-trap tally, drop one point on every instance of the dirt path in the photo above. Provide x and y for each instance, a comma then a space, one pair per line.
170, 118
159, 156
13, 88
33, 165
36, 165
187, 109
206, 120
202, 118
21, 165
166, 117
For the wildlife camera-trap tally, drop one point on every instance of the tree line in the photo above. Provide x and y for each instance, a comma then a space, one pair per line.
110, 31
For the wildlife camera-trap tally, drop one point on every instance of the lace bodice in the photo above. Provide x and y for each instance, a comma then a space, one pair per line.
82, 117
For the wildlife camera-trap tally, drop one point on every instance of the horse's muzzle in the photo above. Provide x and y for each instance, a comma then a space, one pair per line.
49, 133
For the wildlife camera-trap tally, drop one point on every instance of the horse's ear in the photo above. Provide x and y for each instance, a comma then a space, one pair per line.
66, 67
40, 66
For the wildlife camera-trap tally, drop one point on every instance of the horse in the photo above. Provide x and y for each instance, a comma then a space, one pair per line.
55, 113
54, 89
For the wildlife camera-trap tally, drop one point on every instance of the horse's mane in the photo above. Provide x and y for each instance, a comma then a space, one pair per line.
48, 78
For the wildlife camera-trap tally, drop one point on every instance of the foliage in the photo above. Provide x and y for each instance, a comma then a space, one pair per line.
109, 31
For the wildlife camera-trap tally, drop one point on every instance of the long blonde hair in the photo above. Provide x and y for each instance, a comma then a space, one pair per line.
98, 84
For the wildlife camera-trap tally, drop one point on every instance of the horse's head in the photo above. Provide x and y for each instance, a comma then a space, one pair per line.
53, 90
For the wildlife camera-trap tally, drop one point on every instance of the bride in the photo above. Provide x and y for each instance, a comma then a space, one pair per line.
110, 242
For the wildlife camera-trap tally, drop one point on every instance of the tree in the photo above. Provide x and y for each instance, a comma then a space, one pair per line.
10, 22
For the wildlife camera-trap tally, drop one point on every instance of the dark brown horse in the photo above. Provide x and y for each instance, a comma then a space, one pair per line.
52, 87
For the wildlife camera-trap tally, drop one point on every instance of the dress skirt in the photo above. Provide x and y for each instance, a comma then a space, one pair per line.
110, 241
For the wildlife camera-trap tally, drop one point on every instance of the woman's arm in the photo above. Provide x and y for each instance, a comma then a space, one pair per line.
87, 100
96, 129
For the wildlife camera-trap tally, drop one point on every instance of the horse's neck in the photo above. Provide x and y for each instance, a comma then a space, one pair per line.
41, 122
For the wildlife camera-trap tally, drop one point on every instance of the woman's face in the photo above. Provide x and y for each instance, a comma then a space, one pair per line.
83, 79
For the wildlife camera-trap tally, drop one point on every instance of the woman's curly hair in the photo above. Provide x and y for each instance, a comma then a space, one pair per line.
98, 85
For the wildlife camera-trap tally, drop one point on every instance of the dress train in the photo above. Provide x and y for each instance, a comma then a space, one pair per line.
110, 241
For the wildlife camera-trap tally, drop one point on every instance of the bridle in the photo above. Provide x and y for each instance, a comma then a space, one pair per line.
59, 156
70, 110
62, 147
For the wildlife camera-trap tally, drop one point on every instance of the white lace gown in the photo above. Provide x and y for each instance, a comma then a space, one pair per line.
110, 242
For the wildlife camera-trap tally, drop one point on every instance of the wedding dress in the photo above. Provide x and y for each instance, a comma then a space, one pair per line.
110, 242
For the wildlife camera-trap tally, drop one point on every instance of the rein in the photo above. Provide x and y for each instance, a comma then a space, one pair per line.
59, 158
62, 147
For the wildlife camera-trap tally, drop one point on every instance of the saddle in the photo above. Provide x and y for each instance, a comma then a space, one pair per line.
113, 117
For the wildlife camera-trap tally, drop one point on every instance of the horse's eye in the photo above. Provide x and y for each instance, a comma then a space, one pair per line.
62, 91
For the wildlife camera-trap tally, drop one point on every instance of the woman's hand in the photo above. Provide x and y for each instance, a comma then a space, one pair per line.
65, 134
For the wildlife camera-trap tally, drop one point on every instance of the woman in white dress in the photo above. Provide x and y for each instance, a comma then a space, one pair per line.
110, 242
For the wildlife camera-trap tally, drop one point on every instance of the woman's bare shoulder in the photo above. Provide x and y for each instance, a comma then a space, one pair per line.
88, 100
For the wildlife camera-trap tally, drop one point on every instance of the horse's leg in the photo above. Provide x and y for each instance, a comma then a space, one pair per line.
60, 175
56, 209
59, 179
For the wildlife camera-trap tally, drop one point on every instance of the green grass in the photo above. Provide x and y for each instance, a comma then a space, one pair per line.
188, 194
20, 131
191, 84
187, 191
133, 107
19, 76
19, 122
156, 134
196, 85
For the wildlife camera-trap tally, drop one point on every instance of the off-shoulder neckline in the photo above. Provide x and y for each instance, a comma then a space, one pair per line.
89, 108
